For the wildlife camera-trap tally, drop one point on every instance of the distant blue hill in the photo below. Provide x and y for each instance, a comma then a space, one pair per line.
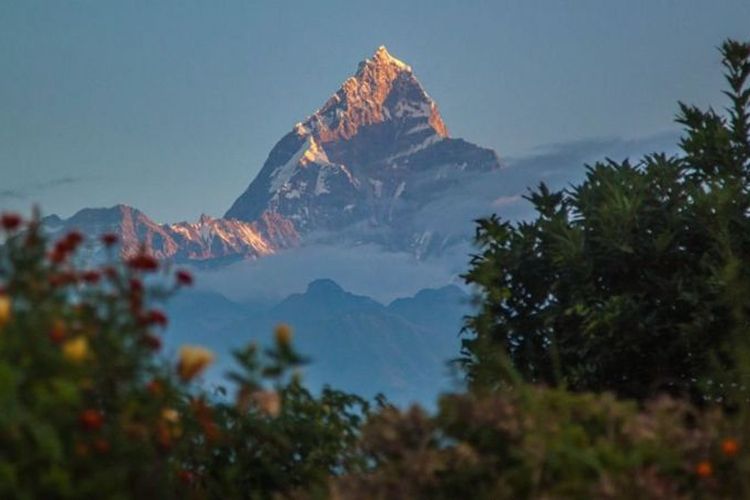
354, 342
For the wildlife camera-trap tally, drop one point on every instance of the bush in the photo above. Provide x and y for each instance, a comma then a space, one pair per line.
549, 443
90, 410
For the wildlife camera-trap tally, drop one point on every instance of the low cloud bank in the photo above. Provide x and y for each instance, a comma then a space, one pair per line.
363, 269
384, 275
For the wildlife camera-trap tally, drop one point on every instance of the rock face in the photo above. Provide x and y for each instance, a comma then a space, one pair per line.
359, 170
373, 154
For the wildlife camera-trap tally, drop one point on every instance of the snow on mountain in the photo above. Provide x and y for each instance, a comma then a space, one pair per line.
360, 169
207, 239
376, 152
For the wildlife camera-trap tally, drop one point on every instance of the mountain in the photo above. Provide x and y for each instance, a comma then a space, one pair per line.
361, 169
373, 169
208, 239
354, 343
434, 308
376, 152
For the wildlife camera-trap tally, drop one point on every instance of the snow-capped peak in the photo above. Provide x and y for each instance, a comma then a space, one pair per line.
383, 89
371, 155
382, 56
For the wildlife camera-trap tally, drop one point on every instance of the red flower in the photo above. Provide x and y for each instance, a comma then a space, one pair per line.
102, 446
109, 239
704, 469
110, 272
186, 477
155, 387
163, 437
91, 420
73, 239
156, 317
204, 415
57, 331
183, 277
730, 447
59, 253
91, 277
65, 246
151, 341
143, 262
10, 221
136, 286
61, 279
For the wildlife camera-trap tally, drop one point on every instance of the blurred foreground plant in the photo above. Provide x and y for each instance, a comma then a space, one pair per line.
90, 409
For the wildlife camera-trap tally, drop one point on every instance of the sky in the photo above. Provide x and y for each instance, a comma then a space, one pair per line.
172, 107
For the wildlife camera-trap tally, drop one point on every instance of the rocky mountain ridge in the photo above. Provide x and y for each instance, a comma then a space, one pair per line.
207, 240
376, 152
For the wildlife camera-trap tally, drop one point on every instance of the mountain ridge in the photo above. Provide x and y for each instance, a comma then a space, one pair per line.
354, 341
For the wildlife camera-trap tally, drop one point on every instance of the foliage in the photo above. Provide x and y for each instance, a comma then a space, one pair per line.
90, 410
549, 443
632, 281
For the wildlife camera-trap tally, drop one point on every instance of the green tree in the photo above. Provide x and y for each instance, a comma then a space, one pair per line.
632, 281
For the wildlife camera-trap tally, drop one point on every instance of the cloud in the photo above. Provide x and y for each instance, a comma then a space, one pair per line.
362, 269
385, 275
557, 165
505, 201
12, 194
32, 189
553, 159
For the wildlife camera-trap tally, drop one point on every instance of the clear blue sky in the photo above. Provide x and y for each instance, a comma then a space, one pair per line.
173, 106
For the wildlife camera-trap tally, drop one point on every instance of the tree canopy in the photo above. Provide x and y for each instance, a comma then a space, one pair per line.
633, 280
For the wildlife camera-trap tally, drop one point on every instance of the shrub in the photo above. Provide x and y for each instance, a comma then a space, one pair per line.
91, 410
550, 443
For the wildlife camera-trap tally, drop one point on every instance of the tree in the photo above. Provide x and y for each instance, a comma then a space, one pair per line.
632, 281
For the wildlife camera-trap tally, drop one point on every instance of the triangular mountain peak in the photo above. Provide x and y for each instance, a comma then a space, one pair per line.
382, 56
384, 89
370, 157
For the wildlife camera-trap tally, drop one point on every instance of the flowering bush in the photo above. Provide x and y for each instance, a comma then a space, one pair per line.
90, 409
547, 443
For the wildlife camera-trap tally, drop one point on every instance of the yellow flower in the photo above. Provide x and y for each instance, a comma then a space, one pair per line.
170, 425
192, 361
269, 402
76, 349
283, 334
5, 310
170, 415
